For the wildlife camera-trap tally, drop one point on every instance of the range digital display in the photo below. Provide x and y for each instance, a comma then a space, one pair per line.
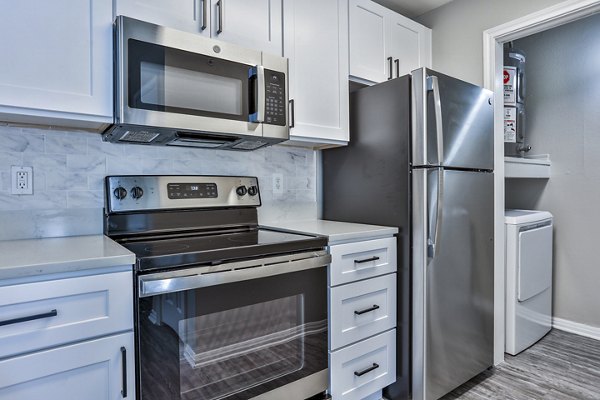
192, 190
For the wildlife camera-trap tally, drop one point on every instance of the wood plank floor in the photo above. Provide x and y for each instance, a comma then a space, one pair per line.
561, 366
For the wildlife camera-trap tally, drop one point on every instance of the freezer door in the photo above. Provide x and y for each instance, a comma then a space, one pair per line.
453, 279
453, 122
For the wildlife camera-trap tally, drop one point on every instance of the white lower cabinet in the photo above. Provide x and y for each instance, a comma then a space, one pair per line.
63, 310
362, 260
100, 369
363, 309
362, 318
68, 338
364, 367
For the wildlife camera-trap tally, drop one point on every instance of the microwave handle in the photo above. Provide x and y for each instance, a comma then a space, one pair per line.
260, 94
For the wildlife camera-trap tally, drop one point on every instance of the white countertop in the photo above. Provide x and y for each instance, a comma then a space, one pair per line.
335, 231
21, 258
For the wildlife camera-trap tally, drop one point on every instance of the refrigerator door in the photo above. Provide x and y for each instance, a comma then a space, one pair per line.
453, 123
453, 279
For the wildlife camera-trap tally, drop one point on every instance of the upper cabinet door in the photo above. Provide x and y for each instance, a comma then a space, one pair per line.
185, 15
316, 43
409, 45
57, 61
256, 24
384, 44
368, 59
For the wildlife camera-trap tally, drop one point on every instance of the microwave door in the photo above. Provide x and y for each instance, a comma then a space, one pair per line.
173, 88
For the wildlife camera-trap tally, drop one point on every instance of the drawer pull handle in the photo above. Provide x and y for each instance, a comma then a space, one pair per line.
364, 260
124, 371
366, 370
366, 310
52, 313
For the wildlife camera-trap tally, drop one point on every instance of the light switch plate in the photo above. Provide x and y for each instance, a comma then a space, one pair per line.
277, 183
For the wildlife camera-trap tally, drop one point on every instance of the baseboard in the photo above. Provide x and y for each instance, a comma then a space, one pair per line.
576, 328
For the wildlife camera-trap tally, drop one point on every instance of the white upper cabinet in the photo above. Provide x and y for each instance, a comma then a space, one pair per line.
256, 24
316, 43
385, 44
367, 40
185, 15
57, 62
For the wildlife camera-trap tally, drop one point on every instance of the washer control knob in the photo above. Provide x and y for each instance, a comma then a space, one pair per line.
137, 192
252, 190
120, 192
241, 190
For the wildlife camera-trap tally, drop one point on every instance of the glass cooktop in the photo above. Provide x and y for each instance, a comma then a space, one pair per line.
219, 247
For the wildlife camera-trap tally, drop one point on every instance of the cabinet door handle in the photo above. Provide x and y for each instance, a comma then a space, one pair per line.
51, 313
220, 16
124, 371
364, 260
204, 14
390, 60
397, 62
366, 370
292, 113
366, 310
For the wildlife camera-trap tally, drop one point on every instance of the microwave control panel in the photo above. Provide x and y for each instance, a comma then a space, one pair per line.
275, 96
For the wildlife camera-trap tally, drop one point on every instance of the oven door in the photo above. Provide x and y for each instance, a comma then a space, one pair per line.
235, 331
177, 80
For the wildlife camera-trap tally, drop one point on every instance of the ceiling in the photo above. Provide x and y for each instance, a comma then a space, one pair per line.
412, 8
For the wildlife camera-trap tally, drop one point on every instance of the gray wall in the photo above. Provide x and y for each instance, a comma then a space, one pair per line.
69, 168
458, 32
563, 110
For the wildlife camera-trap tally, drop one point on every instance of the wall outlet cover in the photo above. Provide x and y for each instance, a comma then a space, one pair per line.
277, 183
21, 180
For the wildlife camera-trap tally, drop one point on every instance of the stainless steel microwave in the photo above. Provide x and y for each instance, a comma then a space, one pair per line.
179, 89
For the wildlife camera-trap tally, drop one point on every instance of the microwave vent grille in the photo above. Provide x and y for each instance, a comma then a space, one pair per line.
138, 136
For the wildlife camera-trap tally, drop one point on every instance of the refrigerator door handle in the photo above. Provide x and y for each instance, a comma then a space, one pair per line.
434, 86
433, 237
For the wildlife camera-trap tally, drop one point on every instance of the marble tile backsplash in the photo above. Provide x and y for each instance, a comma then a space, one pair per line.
69, 168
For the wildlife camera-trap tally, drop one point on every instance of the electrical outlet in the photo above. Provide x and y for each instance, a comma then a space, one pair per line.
21, 180
277, 183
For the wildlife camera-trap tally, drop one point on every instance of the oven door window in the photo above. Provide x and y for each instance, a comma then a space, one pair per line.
176, 81
233, 341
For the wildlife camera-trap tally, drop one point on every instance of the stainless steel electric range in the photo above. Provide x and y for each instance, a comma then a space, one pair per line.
225, 309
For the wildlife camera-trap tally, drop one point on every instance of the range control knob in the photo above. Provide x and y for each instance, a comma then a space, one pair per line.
241, 190
120, 192
136, 192
252, 190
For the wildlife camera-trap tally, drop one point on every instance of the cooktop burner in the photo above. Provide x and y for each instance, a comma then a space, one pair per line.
173, 222
217, 248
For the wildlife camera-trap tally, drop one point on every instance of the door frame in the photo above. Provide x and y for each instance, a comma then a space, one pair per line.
493, 40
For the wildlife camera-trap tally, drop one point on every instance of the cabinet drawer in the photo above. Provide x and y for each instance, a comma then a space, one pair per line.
362, 309
363, 368
360, 260
43, 314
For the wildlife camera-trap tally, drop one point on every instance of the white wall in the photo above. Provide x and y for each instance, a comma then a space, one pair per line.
563, 120
458, 32
69, 168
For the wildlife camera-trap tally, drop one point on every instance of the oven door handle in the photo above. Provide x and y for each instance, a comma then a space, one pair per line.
193, 278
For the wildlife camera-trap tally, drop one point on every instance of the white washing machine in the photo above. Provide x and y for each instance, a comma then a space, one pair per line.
528, 278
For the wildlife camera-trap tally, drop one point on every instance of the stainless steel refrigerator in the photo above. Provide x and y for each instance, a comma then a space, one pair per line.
421, 158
